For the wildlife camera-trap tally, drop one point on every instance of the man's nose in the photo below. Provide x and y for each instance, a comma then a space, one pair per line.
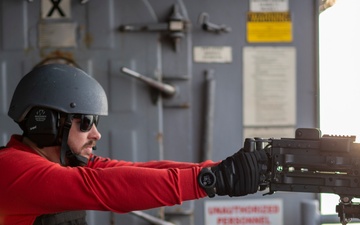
94, 134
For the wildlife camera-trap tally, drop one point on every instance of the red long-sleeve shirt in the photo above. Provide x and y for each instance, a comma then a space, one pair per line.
30, 185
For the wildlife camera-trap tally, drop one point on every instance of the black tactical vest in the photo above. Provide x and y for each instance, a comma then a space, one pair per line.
64, 218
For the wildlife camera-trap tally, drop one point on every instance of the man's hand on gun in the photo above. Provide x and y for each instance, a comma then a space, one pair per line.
240, 174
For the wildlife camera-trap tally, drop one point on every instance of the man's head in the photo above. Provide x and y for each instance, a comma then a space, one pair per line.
50, 98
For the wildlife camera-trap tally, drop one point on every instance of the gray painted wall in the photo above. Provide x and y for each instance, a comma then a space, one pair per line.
143, 125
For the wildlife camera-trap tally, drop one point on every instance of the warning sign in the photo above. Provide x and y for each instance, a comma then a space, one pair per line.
269, 27
244, 212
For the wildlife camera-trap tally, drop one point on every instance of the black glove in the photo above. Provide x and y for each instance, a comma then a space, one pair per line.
238, 175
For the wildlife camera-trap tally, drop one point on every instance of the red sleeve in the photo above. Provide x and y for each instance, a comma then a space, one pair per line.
101, 162
33, 185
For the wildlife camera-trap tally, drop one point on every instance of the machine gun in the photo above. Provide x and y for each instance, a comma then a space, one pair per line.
314, 163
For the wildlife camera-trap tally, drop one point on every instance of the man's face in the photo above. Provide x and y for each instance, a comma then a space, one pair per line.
81, 142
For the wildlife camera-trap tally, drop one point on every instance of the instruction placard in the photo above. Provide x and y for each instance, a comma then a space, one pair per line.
213, 54
269, 86
244, 212
269, 5
57, 35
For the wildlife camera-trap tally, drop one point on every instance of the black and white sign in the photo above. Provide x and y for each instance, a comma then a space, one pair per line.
55, 9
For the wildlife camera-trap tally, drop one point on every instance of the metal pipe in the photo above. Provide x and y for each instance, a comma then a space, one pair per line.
209, 114
310, 214
167, 89
152, 219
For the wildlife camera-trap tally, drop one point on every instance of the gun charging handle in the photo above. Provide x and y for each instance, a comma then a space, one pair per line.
249, 144
252, 144
257, 144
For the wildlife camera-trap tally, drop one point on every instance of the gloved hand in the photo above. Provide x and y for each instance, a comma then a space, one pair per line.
238, 175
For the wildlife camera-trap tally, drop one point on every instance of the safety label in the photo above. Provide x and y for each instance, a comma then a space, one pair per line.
244, 212
269, 27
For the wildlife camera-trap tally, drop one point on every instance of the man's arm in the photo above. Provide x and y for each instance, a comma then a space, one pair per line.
102, 162
33, 185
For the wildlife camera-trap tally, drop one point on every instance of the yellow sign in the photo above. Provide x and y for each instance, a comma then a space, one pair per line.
269, 27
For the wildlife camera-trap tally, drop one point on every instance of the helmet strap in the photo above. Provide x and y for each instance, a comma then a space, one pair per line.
67, 157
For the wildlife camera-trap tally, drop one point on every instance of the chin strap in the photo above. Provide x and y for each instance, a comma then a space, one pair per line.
67, 157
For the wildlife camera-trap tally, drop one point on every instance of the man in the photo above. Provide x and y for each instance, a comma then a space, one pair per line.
50, 175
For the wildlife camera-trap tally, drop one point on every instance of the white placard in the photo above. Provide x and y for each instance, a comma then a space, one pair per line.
269, 5
269, 87
241, 212
269, 132
57, 35
213, 54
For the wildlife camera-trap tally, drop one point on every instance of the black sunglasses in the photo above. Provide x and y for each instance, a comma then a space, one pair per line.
87, 121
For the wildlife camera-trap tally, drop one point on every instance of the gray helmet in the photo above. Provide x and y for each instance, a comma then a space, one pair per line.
60, 87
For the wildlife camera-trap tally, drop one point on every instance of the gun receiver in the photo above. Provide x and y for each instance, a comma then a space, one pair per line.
314, 163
